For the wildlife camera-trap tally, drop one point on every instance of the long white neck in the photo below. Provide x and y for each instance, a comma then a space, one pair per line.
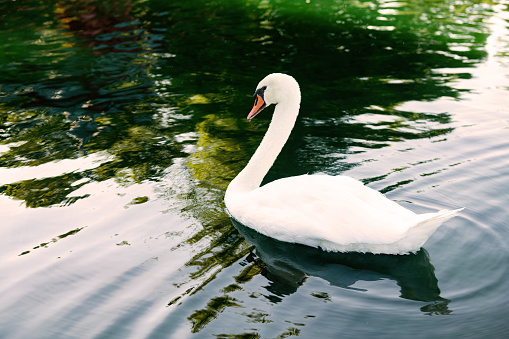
283, 120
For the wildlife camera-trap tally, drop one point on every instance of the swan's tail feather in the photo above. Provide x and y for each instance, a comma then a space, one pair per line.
428, 225
437, 218
411, 241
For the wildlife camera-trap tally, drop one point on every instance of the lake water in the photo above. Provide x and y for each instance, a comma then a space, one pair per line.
122, 123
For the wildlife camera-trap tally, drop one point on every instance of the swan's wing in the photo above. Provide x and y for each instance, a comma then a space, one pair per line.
313, 208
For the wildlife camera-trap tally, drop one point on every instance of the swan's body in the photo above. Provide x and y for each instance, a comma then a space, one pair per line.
335, 213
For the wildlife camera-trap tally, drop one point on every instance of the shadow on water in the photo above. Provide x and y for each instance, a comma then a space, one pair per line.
287, 266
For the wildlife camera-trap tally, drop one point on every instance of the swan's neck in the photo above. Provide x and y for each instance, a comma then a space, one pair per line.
283, 120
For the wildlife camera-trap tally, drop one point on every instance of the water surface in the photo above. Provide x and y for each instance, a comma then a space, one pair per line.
122, 124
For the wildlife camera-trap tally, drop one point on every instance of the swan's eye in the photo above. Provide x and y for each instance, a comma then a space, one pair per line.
259, 92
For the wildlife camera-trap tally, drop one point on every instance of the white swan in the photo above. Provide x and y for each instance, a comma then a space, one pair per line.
335, 213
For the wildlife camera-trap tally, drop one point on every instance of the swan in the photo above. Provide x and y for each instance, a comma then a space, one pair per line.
334, 213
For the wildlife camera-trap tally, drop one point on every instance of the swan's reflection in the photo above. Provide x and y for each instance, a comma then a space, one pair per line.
287, 266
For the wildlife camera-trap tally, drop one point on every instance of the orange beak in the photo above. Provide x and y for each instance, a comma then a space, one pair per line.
259, 104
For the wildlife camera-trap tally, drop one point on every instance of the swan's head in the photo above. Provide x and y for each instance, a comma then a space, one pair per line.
275, 88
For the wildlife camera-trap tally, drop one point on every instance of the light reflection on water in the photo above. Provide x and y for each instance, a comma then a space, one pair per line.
118, 143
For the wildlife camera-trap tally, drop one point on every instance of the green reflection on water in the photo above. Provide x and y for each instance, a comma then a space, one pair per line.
151, 82
91, 93
54, 240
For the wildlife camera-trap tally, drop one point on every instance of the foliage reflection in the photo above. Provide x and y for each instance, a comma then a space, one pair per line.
153, 83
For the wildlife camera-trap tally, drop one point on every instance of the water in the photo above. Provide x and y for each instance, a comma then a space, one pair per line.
122, 125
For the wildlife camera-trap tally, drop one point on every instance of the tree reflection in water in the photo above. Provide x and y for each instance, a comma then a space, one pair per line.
153, 84
97, 97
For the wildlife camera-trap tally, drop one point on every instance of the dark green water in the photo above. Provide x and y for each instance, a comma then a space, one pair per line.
122, 123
